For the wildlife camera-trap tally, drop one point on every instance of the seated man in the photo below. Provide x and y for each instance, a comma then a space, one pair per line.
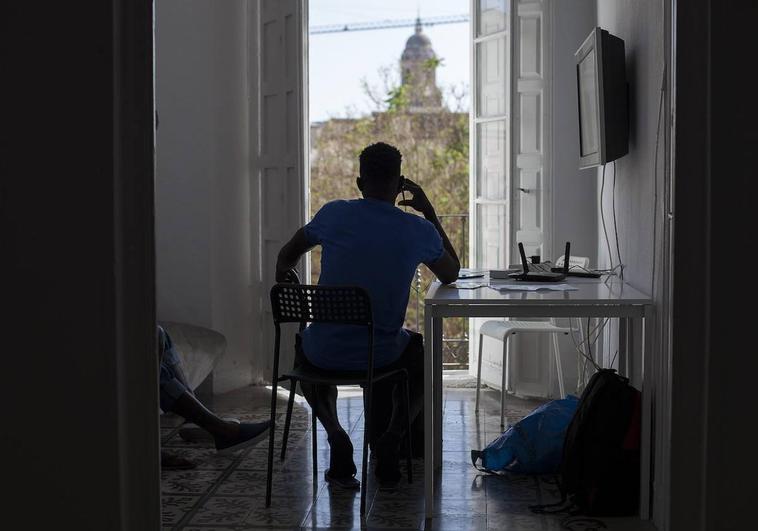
177, 397
372, 244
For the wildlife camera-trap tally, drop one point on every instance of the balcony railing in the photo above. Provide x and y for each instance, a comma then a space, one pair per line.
455, 338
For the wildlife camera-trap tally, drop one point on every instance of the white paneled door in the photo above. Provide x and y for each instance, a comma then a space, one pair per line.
508, 185
529, 191
490, 133
490, 182
279, 135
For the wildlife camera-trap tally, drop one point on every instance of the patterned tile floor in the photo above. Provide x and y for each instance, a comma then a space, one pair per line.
227, 493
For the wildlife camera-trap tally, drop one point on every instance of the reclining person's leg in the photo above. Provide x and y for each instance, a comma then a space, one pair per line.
228, 436
174, 396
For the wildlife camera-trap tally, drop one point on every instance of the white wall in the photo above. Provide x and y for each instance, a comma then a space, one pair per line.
574, 190
640, 25
205, 264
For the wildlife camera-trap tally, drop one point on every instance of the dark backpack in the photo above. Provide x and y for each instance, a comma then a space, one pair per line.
600, 468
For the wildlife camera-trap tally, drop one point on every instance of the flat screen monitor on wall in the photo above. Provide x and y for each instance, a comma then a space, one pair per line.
602, 98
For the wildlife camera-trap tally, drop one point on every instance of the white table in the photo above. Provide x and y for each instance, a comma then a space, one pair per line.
593, 298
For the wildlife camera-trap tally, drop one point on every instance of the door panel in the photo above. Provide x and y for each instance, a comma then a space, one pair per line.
492, 75
492, 160
491, 16
528, 219
490, 164
281, 140
531, 362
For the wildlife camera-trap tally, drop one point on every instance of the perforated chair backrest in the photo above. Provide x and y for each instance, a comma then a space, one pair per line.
293, 303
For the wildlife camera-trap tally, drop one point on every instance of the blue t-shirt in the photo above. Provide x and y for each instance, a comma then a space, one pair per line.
374, 245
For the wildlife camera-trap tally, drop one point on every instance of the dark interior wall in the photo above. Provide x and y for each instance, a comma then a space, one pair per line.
689, 313
714, 363
733, 362
63, 270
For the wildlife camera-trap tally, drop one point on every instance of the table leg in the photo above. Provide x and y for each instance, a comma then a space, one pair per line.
438, 393
646, 441
623, 357
428, 412
581, 361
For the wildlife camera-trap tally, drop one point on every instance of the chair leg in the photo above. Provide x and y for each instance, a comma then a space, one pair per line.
272, 429
408, 440
314, 436
503, 386
558, 366
479, 372
366, 437
288, 418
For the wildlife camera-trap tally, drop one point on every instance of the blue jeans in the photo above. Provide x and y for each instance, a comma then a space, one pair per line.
172, 381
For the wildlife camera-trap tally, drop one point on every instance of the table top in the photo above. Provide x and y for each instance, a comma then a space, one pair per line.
590, 291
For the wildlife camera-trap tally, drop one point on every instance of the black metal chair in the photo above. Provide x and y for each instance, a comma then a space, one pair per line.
294, 303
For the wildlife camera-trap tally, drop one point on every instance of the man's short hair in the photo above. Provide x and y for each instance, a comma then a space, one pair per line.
380, 162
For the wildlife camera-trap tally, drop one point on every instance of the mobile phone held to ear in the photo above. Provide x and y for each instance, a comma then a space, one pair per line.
401, 189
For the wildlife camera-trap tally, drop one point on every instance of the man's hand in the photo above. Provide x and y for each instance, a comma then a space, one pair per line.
448, 265
290, 254
418, 201
287, 276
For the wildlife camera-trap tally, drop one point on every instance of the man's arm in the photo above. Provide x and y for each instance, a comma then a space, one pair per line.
291, 253
447, 266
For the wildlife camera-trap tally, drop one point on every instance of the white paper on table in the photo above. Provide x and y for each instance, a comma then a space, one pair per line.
467, 285
533, 287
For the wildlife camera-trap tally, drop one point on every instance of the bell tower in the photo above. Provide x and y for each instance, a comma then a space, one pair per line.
418, 68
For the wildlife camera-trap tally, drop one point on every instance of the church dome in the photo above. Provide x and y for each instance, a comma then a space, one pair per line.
418, 47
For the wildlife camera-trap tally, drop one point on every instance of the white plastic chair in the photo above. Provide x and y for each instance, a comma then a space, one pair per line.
502, 330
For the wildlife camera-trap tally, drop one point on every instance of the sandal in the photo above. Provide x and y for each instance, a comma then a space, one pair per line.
250, 434
348, 482
342, 468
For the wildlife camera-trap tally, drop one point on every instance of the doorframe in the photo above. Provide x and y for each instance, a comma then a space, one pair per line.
136, 393
663, 331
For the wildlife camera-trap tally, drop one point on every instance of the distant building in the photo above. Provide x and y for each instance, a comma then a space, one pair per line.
423, 111
418, 69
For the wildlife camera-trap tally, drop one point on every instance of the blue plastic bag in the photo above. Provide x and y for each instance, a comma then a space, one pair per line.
534, 445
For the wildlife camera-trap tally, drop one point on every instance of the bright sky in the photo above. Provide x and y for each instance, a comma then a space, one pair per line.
338, 61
